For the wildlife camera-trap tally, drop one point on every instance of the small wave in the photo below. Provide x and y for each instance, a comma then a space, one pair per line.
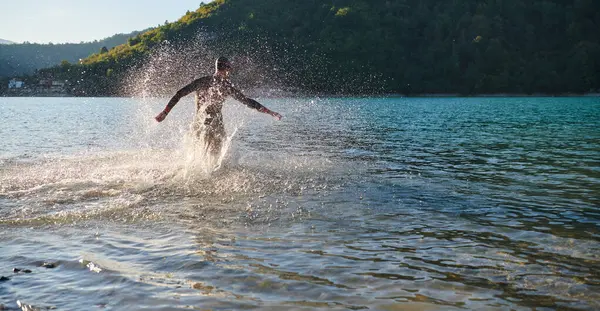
145, 184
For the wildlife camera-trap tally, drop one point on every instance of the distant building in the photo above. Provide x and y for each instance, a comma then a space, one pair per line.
15, 84
50, 85
57, 86
45, 83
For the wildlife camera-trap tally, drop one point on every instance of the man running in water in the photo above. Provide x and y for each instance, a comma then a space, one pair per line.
211, 92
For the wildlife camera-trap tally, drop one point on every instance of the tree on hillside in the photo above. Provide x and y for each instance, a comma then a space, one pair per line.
375, 46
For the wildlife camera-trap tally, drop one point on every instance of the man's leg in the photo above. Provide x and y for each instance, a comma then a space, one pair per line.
213, 142
214, 138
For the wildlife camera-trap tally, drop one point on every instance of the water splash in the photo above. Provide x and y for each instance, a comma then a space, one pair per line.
198, 157
155, 163
171, 66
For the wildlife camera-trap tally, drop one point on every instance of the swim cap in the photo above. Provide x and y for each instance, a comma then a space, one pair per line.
222, 63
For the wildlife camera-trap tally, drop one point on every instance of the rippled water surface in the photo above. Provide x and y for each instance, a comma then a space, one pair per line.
370, 203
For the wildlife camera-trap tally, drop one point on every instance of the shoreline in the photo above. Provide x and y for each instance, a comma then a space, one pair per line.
507, 95
300, 94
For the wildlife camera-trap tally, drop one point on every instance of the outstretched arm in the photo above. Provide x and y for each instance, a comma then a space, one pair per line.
175, 99
252, 103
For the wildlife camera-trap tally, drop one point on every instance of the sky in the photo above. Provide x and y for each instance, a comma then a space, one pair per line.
61, 21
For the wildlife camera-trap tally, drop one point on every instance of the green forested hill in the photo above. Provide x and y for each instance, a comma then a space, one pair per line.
371, 46
18, 59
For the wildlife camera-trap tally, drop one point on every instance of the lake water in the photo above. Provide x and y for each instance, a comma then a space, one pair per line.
347, 203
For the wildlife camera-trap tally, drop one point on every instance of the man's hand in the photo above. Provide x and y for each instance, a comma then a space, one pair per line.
276, 115
272, 113
161, 116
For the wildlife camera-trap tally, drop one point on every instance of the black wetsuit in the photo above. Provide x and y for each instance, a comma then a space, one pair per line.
211, 92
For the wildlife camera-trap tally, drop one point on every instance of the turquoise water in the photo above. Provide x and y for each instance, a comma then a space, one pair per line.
360, 203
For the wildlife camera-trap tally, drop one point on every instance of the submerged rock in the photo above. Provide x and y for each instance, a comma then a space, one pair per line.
26, 307
4, 278
17, 270
49, 265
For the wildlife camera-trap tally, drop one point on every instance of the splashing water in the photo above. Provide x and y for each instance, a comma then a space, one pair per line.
150, 159
199, 158
122, 169
171, 66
